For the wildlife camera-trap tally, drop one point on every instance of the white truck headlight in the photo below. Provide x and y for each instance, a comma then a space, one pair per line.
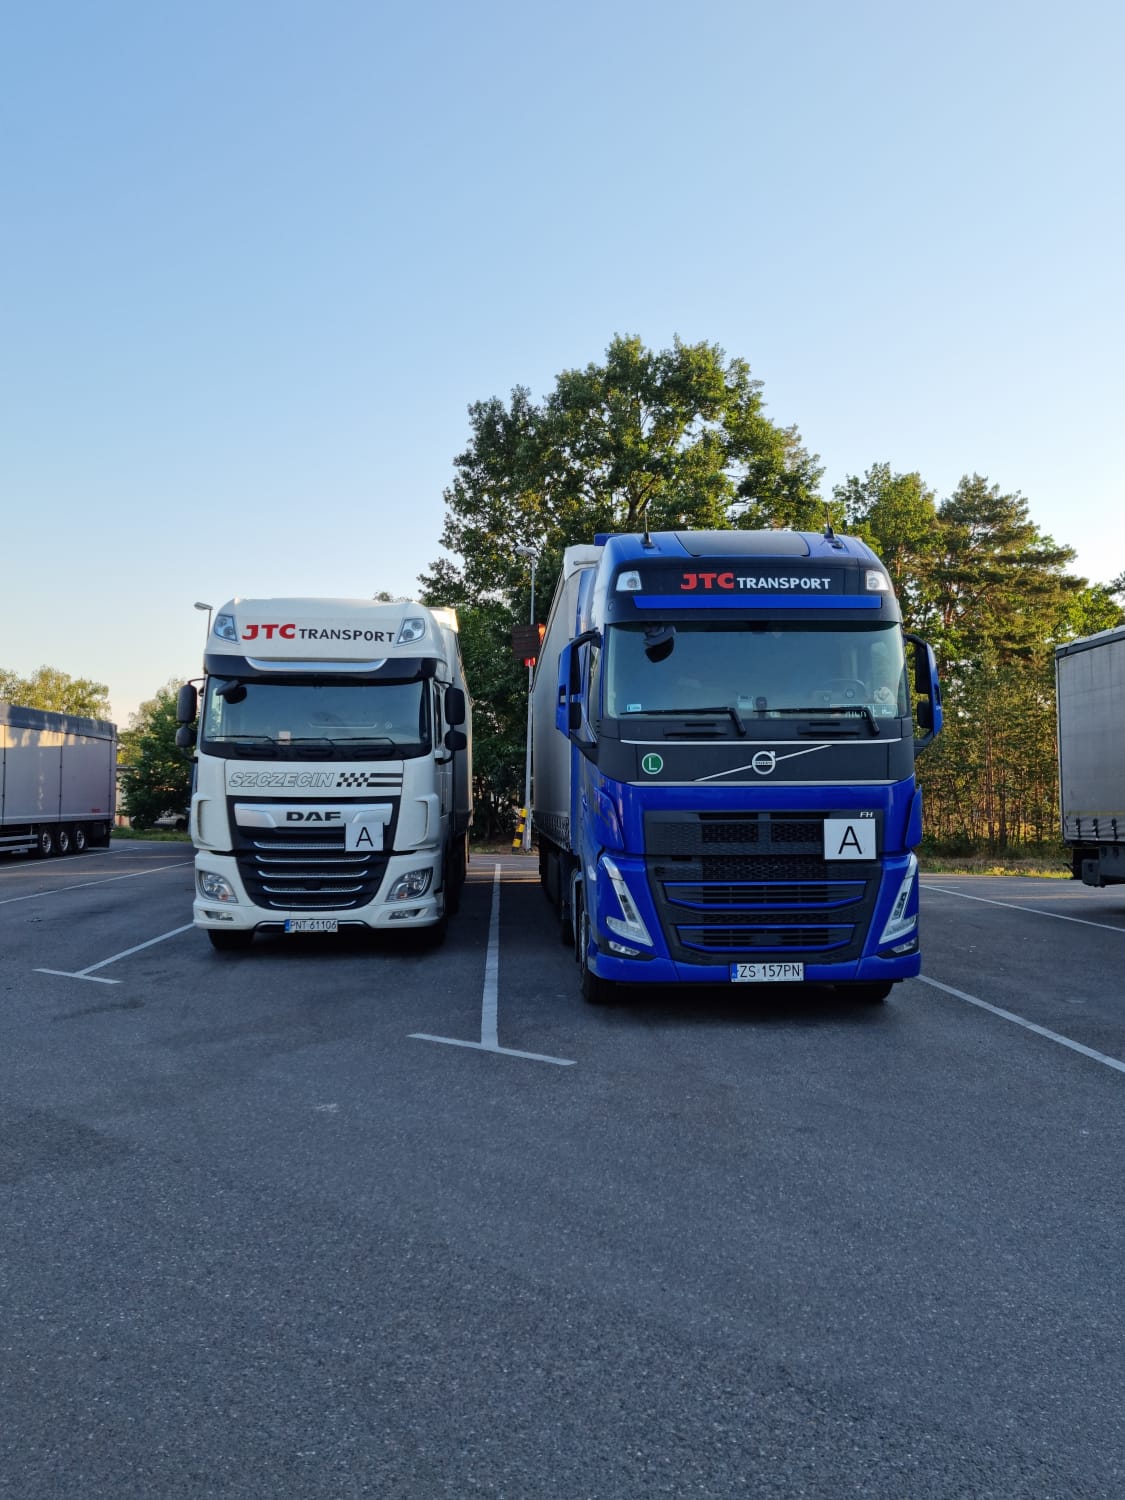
214, 887
410, 887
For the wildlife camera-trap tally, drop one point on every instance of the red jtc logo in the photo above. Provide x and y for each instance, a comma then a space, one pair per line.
286, 632
695, 581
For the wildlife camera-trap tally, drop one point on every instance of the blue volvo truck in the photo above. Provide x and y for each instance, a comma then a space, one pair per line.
723, 747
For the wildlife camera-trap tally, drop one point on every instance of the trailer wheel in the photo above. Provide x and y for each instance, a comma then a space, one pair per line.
79, 839
44, 843
595, 990
63, 842
228, 942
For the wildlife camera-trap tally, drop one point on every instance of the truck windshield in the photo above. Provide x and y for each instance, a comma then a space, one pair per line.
314, 721
755, 668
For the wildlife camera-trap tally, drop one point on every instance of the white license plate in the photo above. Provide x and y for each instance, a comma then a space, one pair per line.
312, 924
767, 973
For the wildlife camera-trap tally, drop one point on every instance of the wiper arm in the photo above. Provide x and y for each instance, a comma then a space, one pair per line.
689, 713
847, 710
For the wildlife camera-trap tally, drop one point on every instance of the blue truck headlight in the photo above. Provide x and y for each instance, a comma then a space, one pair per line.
900, 922
629, 924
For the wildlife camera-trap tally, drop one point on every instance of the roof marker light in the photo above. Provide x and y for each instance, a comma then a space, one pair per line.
629, 583
225, 628
411, 630
877, 583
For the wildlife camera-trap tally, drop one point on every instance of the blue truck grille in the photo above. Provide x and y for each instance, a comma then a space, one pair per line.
751, 885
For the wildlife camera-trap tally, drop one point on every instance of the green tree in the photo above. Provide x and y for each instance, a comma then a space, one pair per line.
661, 439
155, 776
56, 692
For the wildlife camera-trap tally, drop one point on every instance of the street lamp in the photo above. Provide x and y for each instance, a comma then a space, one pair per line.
523, 550
208, 608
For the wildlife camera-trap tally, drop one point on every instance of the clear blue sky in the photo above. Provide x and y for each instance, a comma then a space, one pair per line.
259, 256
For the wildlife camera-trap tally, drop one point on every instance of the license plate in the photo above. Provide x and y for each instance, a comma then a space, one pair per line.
767, 973
312, 924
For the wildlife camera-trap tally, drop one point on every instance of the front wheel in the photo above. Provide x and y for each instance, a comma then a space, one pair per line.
869, 994
228, 942
595, 990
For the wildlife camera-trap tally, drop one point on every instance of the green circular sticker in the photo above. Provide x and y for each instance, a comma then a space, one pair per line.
652, 765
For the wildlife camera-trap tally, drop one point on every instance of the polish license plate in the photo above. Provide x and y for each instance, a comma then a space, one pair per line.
312, 924
767, 973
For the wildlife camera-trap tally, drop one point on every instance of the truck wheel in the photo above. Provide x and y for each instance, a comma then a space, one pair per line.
595, 990
228, 942
63, 841
79, 839
868, 994
44, 844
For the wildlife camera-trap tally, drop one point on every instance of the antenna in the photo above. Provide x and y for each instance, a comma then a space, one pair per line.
829, 534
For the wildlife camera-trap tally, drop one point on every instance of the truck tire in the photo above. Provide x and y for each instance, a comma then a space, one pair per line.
595, 990
869, 994
79, 839
63, 841
44, 844
230, 942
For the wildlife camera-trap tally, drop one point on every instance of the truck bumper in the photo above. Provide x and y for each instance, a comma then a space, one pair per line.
241, 915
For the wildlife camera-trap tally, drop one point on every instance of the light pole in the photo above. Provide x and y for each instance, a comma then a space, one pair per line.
208, 608
529, 552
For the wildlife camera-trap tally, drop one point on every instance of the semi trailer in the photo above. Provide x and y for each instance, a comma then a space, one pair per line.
723, 762
1090, 699
58, 788
333, 775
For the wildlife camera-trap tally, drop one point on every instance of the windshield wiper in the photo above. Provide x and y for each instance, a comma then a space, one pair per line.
690, 713
847, 710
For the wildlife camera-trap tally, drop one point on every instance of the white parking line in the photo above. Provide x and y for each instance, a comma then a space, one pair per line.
88, 972
1007, 1015
489, 1033
1036, 911
82, 885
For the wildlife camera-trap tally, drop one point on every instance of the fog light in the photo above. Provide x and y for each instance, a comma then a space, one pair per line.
399, 916
215, 887
410, 887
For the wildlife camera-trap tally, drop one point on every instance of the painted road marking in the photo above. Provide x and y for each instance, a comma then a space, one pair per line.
181, 864
1007, 1015
1036, 911
88, 972
489, 1027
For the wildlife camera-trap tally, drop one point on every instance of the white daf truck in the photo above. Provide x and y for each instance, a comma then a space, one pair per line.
333, 779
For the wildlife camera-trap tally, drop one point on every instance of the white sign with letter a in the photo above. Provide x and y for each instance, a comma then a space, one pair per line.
849, 838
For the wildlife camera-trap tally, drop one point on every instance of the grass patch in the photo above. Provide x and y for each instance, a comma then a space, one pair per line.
152, 835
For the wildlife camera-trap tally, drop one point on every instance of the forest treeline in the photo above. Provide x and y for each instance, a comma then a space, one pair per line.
678, 439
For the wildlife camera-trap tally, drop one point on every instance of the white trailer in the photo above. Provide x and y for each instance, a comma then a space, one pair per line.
57, 781
333, 784
1090, 696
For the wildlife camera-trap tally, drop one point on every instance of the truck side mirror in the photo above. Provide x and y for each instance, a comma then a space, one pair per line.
568, 710
187, 706
185, 737
455, 707
928, 689
456, 739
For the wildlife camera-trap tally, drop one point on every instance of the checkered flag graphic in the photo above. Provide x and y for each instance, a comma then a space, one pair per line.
359, 778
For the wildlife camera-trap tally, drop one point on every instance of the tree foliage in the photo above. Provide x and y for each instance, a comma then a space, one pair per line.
155, 775
56, 692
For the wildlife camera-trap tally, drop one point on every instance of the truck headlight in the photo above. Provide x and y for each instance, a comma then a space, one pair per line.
629, 924
214, 887
899, 923
410, 887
